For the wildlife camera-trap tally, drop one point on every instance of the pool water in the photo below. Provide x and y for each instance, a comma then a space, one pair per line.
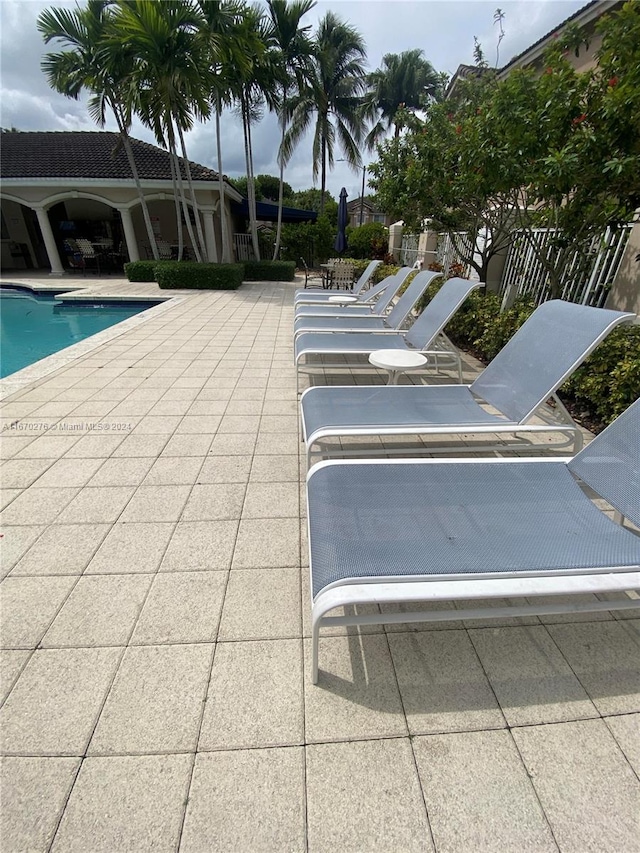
35, 325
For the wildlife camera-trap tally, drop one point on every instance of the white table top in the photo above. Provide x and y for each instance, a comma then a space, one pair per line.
345, 300
397, 359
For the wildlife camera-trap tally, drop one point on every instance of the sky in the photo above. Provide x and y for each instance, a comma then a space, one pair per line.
443, 29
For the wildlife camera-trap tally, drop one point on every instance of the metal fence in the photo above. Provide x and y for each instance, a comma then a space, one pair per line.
409, 250
586, 278
447, 254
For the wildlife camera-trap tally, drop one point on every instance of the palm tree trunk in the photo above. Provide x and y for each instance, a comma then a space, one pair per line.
226, 256
250, 182
276, 247
185, 206
194, 201
176, 200
126, 143
323, 178
254, 217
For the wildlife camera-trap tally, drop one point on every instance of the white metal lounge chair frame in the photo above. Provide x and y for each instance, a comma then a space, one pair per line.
372, 303
439, 349
377, 322
407, 589
302, 295
556, 420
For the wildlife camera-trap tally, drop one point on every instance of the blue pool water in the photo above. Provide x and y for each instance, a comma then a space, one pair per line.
35, 325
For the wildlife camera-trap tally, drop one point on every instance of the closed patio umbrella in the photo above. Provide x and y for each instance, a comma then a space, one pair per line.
340, 243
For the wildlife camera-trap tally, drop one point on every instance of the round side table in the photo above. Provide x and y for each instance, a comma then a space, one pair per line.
396, 362
343, 300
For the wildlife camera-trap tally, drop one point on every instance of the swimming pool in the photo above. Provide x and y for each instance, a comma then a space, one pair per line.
35, 325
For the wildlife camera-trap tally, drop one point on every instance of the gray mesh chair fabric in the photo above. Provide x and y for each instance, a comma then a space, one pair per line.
360, 284
542, 354
393, 320
448, 300
556, 351
385, 520
378, 299
610, 465
384, 532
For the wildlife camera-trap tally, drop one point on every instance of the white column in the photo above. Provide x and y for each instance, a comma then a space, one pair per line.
210, 236
49, 241
129, 234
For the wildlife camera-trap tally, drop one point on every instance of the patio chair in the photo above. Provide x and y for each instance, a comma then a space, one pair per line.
425, 332
363, 305
90, 258
311, 279
322, 298
526, 373
377, 322
399, 533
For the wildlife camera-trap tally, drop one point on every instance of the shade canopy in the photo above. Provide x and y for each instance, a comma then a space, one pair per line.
268, 212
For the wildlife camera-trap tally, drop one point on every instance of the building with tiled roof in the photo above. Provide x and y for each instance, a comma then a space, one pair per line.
58, 187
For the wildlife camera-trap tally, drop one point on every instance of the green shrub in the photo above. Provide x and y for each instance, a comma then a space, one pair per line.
503, 326
194, 276
269, 270
368, 241
609, 380
140, 270
383, 271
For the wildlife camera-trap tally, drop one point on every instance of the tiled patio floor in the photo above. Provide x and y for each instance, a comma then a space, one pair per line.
155, 634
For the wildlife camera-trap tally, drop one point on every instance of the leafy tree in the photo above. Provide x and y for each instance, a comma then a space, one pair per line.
333, 94
89, 62
406, 81
293, 52
560, 150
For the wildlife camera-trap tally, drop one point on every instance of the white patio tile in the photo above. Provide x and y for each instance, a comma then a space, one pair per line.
626, 730
14, 542
63, 549
34, 794
122, 803
21, 473
200, 546
589, 793
365, 796
478, 794
37, 505
261, 605
531, 679
96, 505
255, 696
357, 696
101, 611
12, 662
442, 683
131, 547
181, 608
605, 659
227, 787
156, 503
28, 606
155, 703
267, 543
55, 703
213, 502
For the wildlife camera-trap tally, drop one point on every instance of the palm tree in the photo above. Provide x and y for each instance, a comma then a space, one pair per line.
88, 63
293, 49
172, 83
255, 85
406, 80
225, 52
333, 94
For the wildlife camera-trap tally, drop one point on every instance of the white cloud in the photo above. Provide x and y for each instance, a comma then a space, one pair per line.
444, 29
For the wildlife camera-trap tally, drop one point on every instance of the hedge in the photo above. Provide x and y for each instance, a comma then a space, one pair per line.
269, 270
605, 385
140, 270
195, 276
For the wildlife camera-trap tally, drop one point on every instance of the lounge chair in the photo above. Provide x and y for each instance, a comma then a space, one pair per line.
376, 322
516, 384
425, 332
424, 530
301, 296
376, 298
